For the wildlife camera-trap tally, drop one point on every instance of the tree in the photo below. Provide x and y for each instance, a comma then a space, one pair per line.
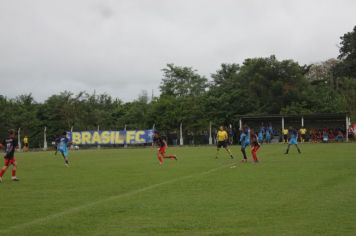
348, 54
346, 70
225, 74
258, 86
324, 72
182, 81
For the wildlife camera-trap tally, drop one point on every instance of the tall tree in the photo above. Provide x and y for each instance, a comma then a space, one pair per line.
348, 54
182, 81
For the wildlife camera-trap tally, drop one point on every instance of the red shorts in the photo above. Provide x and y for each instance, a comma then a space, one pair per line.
8, 162
162, 150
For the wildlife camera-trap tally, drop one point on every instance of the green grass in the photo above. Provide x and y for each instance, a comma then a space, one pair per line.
126, 192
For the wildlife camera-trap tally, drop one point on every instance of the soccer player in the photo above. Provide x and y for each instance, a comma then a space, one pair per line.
263, 131
302, 132
260, 137
285, 135
63, 147
161, 143
293, 139
245, 141
254, 145
222, 138
9, 144
268, 136
25, 144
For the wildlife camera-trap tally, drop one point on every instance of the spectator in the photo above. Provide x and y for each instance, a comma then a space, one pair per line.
325, 136
339, 137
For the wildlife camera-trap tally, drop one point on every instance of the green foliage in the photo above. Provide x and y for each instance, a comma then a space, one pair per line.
182, 81
348, 54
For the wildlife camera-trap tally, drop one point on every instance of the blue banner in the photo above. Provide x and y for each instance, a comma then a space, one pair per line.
111, 137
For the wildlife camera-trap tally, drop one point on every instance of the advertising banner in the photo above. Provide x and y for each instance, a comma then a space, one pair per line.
111, 137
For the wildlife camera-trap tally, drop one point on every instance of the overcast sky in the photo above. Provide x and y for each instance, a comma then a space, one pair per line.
120, 46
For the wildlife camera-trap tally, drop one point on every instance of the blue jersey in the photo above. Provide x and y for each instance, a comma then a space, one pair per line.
268, 134
63, 146
262, 129
293, 137
245, 138
63, 143
260, 137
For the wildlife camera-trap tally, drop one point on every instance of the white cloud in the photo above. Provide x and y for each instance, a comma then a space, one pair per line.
120, 47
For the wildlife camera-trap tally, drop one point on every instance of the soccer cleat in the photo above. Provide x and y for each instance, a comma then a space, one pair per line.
232, 157
244, 161
175, 158
15, 179
66, 165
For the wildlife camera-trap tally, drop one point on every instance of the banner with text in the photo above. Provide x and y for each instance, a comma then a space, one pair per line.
111, 137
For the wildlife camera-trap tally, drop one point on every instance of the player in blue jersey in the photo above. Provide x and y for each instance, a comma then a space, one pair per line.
62, 147
268, 136
245, 141
293, 139
260, 137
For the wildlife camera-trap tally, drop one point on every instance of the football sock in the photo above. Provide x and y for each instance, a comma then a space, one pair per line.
244, 153
254, 153
2, 173
298, 149
160, 159
13, 173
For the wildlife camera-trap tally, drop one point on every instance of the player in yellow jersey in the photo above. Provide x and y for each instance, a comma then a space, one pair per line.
302, 132
222, 139
285, 135
25, 144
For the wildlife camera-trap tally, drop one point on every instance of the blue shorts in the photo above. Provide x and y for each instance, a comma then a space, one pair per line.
245, 144
64, 152
293, 141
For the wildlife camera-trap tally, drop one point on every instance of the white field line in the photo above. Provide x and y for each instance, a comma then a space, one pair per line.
112, 198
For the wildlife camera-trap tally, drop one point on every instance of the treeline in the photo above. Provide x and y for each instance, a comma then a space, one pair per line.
257, 86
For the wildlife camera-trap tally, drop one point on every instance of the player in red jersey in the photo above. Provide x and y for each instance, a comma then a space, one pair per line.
9, 144
254, 145
161, 143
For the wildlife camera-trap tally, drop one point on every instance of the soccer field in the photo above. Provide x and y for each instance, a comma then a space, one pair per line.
126, 192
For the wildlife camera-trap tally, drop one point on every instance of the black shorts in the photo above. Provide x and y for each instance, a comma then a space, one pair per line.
255, 144
222, 144
285, 137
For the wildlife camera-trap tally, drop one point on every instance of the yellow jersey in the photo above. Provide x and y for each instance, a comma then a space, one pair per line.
302, 131
25, 140
285, 131
222, 135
